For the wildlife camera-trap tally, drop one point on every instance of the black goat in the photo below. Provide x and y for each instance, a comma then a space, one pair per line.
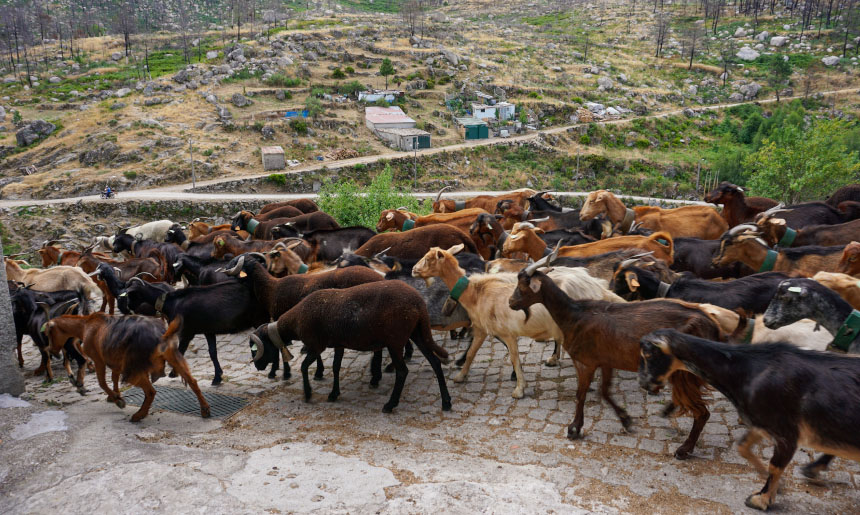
697, 256
26, 305
752, 293
222, 308
198, 249
328, 244
794, 396
202, 270
567, 237
140, 248
808, 213
357, 318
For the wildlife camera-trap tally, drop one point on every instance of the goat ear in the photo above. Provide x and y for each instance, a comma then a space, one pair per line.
632, 280
778, 221
439, 254
242, 274
456, 248
538, 230
389, 216
534, 284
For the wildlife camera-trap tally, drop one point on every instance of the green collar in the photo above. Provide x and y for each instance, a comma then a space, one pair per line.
459, 287
42, 329
60, 258
252, 226
302, 269
159, 303
459, 205
408, 224
848, 332
663, 289
627, 221
787, 238
769, 261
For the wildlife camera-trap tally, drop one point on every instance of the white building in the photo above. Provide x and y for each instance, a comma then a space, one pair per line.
483, 111
376, 94
387, 118
505, 111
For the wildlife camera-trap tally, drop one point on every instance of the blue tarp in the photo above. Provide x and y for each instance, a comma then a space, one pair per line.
294, 114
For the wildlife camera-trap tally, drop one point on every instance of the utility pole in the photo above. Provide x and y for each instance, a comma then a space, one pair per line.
193, 175
415, 162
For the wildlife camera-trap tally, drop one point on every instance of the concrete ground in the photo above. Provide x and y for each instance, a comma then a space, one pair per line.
60, 451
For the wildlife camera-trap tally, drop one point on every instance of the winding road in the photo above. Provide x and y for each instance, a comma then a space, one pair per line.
182, 191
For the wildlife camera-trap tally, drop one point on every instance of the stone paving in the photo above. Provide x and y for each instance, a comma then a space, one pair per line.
485, 422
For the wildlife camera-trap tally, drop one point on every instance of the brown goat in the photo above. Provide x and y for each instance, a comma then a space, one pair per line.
134, 347
282, 261
848, 287
52, 255
775, 231
850, 261
660, 243
701, 222
738, 208
524, 238
305, 205
197, 229
230, 245
605, 335
415, 243
751, 250
486, 202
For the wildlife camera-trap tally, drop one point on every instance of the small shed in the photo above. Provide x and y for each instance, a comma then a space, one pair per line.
389, 95
483, 111
273, 157
505, 111
473, 128
405, 139
387, 118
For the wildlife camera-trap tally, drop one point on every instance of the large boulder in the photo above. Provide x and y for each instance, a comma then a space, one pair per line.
605, 82
212, 54
778, 41
763, 35
740, 32
750, 91
182, 76
240, 100
33, 131
451, 57
747, 54
104, 153
116, 56
830, 60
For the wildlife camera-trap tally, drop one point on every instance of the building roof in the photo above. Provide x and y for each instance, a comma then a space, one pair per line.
470, 120
483, 95
386, 115
405, 132
476, 105
276, 149
503, 104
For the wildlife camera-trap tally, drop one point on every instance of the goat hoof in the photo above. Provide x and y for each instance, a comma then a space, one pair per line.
459, 378
216, 381
552, 362
573, 434
374, 384
389, 368
204, 412
172, 373
318, 376
460, 362
757, 502
82, 390
446, 405
627, 423
332, 397
682, 454
121, 405
513, 376
668, 410
809, 471
517, 393
387, 409
137, 417
272, 375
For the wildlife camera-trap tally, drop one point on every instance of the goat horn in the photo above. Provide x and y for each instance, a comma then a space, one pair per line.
541, 193
538, 220
263, 257
145, 273
439, 195
402, 208
260, 348
235, 270
544, 261
136, 278
47, 309
741, 228
96, 272
381, 253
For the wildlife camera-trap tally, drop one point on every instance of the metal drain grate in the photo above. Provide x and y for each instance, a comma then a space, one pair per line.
183, 400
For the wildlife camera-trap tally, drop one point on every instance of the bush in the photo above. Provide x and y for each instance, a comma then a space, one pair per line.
299, 125
350, 88
349, 69
277, 178
344, 200
279, 80
337, 73
130, 174
585, 139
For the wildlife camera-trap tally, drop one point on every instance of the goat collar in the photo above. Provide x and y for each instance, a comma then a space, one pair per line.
459, 205
408, 224
627, 222
848, 332
769, 261
60, 257
252, 226
303, 268
159, 302
663, 289
787, 238
275, 337
459, 287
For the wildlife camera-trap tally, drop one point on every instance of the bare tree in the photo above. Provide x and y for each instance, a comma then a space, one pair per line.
125, 21
412, 12
727, 57
693, 32
660, 30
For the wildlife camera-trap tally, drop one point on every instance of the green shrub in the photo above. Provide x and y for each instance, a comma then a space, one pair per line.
585, 139
208, 152
299, 125
349, 69
534, 94
337, 73
350, 88
345, 202
278, 179
130, 174
279, 80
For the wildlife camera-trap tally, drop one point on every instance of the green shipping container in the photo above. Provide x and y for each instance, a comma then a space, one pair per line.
477, 132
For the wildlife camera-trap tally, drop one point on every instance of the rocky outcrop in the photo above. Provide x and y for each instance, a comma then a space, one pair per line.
34, 131
104, 153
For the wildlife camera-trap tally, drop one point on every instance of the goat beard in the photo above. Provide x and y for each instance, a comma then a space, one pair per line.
527, 312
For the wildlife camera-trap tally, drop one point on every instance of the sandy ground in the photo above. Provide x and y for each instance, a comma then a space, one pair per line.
491, 454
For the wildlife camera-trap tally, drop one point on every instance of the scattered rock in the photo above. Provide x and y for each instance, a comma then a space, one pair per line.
33, 131
117, 105
750, 91
778, 41
212, 54
747, 54
763, 35
830, 60
239, 100
122, 92
2, 114
605, 82
103, 154
740, 32
451, 57
693, 90
182, 76
55, 80
116, 56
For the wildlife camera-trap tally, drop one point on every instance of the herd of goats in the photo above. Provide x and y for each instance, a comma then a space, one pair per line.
690, 296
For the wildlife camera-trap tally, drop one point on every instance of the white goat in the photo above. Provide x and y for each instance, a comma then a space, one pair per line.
155, 231
53, 279
485, 298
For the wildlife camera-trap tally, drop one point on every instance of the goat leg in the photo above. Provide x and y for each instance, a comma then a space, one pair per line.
514, 353
100, 375
440, 377
320, 368
556, 351
20, 356
782, 453
183, 346
399, 379
700, 418
477, 341
335, 370
306, 383
177, 361
149, 392
584, 375
213, 355
375, 369
746, 449
114, 376
811, 470
605, 383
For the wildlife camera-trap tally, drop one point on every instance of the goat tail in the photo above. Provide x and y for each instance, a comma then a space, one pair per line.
427, 340
663, 235
83, 301
170, 340
687, 393
165, 266
743, 333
